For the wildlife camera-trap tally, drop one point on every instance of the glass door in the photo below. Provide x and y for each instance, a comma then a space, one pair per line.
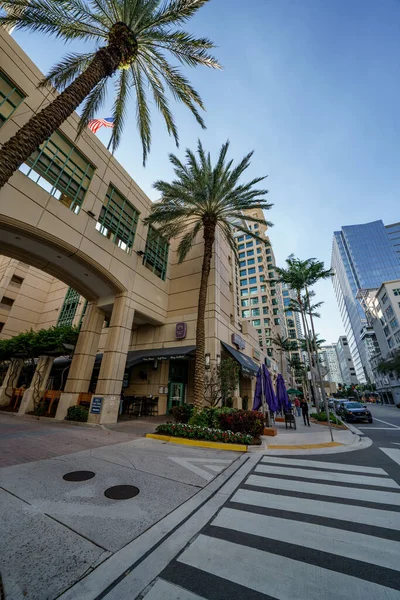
176, 394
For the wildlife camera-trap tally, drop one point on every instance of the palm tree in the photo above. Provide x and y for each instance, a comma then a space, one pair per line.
294, 276
391, 364
134, 40
284, 345
203, 199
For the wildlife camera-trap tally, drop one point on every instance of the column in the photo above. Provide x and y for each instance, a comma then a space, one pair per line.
80, 372
10, 380
38, 384
113, 364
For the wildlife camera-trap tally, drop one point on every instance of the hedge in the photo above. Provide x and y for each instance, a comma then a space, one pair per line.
194, 432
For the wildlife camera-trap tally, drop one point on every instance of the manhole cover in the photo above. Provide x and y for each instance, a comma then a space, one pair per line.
79, 476
121, 492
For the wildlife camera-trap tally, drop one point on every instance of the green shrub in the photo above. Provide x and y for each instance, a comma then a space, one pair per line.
77, 413
203, 433
322, 417
182, 413
243, 421
200, 418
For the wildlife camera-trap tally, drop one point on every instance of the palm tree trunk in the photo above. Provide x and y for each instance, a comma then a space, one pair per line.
305, 327
40, 127
199, 364
324, 398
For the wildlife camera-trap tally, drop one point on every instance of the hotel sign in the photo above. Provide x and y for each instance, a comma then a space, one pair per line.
180, 331
238, 341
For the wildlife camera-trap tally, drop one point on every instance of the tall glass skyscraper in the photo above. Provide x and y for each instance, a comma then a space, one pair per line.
394, 236
363, 256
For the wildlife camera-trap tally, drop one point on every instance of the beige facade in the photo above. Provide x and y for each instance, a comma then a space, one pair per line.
73, 242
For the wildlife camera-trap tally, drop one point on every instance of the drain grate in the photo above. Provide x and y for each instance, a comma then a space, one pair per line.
79, 476
121, 492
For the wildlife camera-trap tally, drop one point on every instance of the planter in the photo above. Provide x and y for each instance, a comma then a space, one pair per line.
271, 431
279, 419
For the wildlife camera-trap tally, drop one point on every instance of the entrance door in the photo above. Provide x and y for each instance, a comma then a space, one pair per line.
177, 382
176, 394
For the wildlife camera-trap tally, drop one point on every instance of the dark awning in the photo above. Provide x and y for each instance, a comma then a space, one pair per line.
247, 365
137, 356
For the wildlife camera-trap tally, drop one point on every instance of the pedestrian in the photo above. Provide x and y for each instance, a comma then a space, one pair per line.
304, 410
297, 405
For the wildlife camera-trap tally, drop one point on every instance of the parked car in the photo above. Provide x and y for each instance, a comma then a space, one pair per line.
338, 403
354, 411
331, 404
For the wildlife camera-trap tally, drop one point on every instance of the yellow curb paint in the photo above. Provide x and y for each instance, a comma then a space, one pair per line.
197, 443
304, 446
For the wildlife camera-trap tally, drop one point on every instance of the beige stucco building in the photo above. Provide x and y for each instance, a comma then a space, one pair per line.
75, 250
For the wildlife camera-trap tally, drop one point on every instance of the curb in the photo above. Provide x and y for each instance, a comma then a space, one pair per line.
303, 446
198, 443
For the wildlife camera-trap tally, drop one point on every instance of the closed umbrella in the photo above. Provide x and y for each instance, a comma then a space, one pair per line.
269, 391
281, 394
257, 402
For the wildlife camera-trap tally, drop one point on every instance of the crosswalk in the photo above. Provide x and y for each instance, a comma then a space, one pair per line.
295, 530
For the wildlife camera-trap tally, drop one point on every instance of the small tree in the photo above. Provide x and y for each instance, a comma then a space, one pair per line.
229, 373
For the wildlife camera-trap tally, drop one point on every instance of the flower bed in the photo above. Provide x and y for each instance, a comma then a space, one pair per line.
194, 432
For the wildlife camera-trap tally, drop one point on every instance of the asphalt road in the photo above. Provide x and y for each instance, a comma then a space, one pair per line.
301, 528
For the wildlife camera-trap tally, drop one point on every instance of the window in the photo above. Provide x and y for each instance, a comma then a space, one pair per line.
290, 323
254, 301
251, 271
242, 263
58, 167
259, 259
240, 238
69, 308
389, 312
267, 250
275, 311
277, 321
258, 250
271, 274
292, 334
384, 298
1, 327
397, 337
242, 255
255, 312
246, 313
259, 331
118, 220
274, 302
396, 292
256, 323
243, 282
269, 352
241, 247
249, 237
267, 332
263, 289
265, 310
244, 292
250, 252
394, 323
10, 98
251, 261
245, 302
5, 301
390, 342
269, 258
242, 273
156, 253
16, 280
262, 278
249, 244
264, 299
266, 321
289, 313
253, 291
255, 226
252, 280
260, 269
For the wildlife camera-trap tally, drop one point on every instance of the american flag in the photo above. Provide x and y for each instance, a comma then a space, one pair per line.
95, 124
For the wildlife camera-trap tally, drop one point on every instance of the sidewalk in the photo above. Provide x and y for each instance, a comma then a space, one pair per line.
315, 439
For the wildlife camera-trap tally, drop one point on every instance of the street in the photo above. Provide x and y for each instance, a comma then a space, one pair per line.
299, 528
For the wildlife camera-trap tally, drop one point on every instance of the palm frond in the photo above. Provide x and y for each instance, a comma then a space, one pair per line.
63, 73
92, 103
142, 112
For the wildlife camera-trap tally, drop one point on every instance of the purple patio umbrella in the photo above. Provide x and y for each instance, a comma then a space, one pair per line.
269, 391
281, 394
257, 402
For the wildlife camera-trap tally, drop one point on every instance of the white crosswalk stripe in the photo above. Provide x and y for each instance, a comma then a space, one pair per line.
325, 543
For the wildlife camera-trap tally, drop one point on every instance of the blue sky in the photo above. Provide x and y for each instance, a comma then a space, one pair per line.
313, 86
